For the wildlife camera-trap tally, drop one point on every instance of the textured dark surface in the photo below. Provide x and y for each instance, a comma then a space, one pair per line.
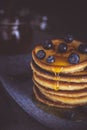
12, 117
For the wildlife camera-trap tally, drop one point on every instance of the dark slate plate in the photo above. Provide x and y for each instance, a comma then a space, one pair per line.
16, 77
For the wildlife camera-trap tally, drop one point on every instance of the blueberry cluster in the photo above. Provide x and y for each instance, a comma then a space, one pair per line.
41, 53
62, 48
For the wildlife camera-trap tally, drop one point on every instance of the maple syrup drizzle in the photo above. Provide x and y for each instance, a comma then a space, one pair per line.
58, 79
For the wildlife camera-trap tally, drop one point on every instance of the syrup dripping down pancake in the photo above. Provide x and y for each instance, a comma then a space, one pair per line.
60, 73
76, 77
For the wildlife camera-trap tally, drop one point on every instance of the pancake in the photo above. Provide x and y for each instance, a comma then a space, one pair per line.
60, 73
64, 93
76, 77
40, 97
67, 100
59, 85
61, 64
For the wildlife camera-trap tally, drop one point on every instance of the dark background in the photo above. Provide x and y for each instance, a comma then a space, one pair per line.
63, 16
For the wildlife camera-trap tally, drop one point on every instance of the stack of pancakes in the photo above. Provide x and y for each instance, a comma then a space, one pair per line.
60, 83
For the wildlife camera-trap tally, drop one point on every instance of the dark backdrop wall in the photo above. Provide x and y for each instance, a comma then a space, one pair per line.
64, 16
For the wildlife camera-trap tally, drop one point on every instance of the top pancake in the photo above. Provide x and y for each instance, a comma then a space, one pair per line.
61, 64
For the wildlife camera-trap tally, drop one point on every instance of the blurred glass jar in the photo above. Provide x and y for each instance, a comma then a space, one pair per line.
15, 33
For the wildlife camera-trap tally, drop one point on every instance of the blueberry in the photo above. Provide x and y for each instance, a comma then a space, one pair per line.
62, 47
41, 54
73, 58
69, 38
47, 44
82, 48
50, 59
